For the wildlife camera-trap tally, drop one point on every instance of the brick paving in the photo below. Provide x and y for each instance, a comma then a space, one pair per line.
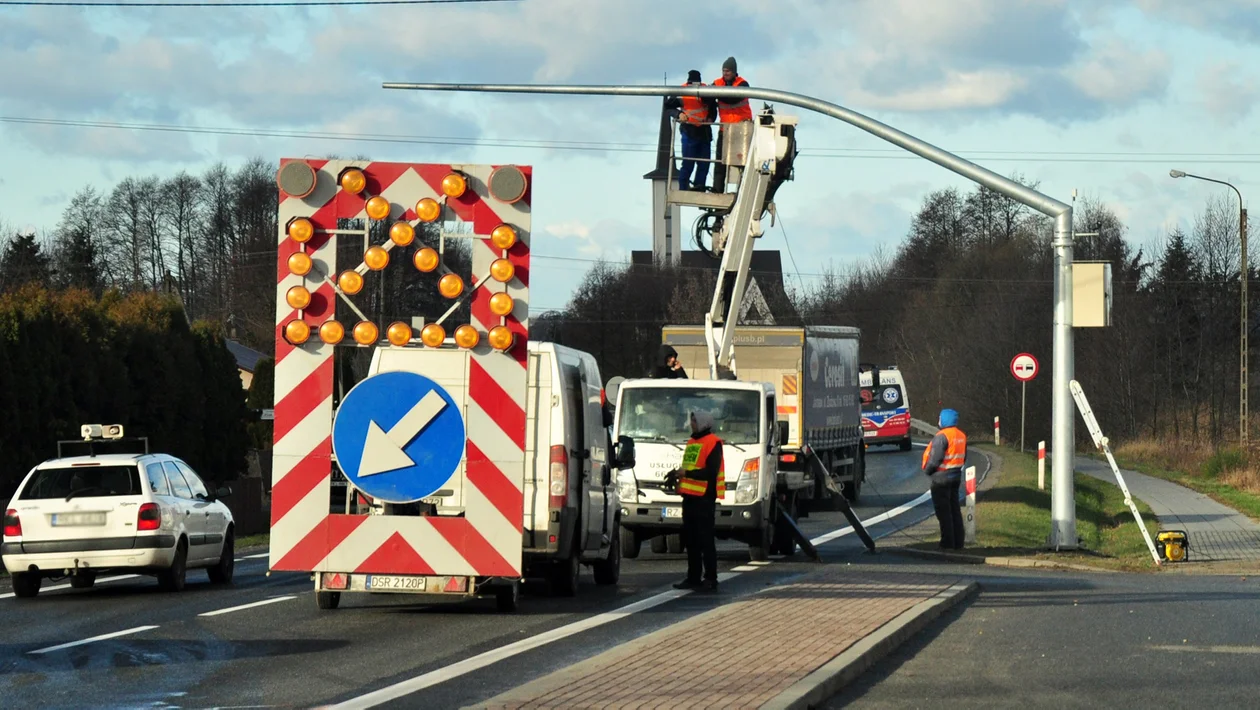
739, 655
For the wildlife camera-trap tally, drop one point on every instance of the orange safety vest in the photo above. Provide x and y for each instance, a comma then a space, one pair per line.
734, 113
955, 451
693, 110
695, 456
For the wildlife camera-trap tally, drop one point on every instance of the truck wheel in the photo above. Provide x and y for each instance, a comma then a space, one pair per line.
674, 543
327, 600
906, 445
508, 597
630, 543
784, 541
759, 550
659, 545
609, 571
852, 490
26, 584
564, 575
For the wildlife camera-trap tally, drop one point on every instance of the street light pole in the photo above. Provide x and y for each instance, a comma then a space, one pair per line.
1243, 275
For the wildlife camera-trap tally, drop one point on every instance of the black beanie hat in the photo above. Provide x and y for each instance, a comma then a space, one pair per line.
693, 75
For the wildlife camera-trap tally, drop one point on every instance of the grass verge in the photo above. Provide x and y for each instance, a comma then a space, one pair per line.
252, 541
1234, 483
1013, 520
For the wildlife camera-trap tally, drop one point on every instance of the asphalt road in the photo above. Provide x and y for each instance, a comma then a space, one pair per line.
1096, 640
281, 651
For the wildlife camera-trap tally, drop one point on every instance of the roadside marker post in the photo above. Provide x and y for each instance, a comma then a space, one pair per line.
1041, 465
997, 431
969, 520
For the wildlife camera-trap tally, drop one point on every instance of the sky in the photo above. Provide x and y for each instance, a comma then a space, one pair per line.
1098, 96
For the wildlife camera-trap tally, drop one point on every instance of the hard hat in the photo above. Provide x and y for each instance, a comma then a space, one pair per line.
949, 417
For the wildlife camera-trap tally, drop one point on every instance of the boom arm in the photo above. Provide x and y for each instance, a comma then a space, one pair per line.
769, 161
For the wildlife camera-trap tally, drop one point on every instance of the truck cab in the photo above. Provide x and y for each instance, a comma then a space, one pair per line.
654, 415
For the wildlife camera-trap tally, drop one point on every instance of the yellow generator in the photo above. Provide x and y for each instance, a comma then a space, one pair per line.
1173, 545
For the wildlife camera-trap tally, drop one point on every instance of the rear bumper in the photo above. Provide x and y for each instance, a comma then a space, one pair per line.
649, 518
98, 553
882, 437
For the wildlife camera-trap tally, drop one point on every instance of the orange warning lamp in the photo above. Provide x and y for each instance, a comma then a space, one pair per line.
501, 270
301, 230
428, 209
351, 282
503, 236
366, 333
501, 304
402, 233
353, 181
432, 335
376, 258
454, 185
500, 338
426, 259
332, 332
298, 297
300, 263
451, 286
297, 331
398, 333
377, 208
467, 336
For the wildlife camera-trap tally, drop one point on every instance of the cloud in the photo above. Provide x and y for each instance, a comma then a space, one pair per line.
1235, 19
1229, 93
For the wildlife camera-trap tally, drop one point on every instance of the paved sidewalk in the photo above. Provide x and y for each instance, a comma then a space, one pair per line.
784, 647
1217, 532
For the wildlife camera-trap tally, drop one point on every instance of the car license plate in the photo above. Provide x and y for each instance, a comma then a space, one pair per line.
72, 519
389, 582
670, 512
870, 433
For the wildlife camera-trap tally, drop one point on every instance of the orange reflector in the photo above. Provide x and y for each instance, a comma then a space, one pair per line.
426, 259
332, 332
298, 297
454, 185
551, 538
366, 333
503, 236
500, 338
467, 336
428, 209
399, 333
451, 286
376, 258
297, 331
301, 230
353, 181
501, 270
351, 282
402, 233
788, 458
501, 304
377, 208
432, 335
336, 580
300, 263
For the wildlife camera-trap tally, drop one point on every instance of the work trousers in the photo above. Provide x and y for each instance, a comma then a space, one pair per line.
694, 147
945, 489
698, 518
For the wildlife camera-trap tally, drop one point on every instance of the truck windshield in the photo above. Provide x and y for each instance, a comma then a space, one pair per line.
883, 398
661, 413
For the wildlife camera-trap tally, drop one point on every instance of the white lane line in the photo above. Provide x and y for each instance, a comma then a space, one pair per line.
55, 587
259, 556
251, 605
871, 521
468, 665
94, 639
744, 568
759, 563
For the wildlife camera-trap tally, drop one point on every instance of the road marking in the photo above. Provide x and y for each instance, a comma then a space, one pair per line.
94, 639
251, 605
468, 665
744, 568
55, 587
259, 556
759, 563
1209, 649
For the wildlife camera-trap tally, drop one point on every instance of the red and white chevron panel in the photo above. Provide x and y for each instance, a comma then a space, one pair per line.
487, 539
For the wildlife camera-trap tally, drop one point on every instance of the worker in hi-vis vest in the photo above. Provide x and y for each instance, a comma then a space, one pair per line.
701, 481
943, 462
729, 111
695, 116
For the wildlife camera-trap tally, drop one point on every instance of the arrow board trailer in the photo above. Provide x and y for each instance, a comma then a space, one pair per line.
441, 439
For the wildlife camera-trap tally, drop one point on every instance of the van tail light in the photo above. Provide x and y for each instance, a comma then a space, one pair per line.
12, 524
150, 517
559, 476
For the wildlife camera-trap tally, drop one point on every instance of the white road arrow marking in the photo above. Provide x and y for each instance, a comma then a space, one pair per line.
383, 451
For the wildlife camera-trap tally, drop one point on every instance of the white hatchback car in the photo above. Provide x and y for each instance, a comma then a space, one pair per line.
147, 513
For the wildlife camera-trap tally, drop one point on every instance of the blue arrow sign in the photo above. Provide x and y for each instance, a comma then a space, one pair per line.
398, 436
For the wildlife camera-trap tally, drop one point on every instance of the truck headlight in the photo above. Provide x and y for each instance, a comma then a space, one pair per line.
627, 488
748, 486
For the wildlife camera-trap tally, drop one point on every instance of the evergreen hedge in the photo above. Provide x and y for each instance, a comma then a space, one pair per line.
68, 358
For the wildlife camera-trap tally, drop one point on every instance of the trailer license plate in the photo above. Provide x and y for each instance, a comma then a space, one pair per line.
69, 519
670, 512
407, 584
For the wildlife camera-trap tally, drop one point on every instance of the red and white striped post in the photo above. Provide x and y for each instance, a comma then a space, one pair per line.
997, 431
969, 520
1041, 465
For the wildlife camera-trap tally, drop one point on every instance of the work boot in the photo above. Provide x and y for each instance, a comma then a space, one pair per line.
687, 584
709, 585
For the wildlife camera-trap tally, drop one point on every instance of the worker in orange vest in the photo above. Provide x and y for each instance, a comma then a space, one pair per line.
694, 117
701, 482
729, 111
943, 462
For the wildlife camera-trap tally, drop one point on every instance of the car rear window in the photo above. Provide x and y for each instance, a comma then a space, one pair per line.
83, 482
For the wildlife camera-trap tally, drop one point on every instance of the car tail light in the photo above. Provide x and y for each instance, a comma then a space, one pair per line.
150, 517
12, 524
559, 476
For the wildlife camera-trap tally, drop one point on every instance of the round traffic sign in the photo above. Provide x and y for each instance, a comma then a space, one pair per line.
398, 436
1024, 367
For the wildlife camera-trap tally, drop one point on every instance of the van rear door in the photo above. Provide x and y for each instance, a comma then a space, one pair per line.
535, 487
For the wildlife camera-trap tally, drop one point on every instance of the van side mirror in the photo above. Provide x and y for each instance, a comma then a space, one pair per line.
783, 432
623, 453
